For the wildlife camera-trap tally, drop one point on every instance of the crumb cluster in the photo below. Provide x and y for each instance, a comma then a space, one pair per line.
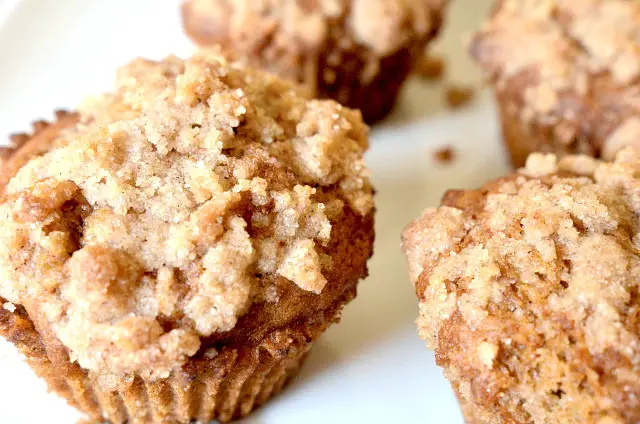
148, 224
528, 291
567, 68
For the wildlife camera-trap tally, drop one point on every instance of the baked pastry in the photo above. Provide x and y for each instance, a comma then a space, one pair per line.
358, 52
565, 74
170, 252
528, 292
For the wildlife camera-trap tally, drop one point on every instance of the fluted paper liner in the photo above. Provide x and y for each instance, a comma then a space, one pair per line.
225, 385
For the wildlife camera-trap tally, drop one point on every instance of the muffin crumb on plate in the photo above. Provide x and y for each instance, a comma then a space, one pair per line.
565, 74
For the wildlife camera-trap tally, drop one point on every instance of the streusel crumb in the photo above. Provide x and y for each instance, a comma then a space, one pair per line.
147, 224
528, 291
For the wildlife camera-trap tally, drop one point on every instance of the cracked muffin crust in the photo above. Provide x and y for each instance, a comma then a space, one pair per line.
528, 292
204, 216
358, 52
565, 74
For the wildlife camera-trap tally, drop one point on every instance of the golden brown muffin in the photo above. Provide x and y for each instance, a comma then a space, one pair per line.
169, 252
565, 73
528, 292
358, 52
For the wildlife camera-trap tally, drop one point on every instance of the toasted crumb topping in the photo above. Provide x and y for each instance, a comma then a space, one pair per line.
148, 224
565, 63
382, 25
529, 290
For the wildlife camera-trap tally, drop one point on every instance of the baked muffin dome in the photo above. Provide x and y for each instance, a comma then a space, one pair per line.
201, 208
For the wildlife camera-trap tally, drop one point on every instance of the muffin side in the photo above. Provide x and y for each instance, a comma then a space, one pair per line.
268, 339
356, 52
528, 292
564, 73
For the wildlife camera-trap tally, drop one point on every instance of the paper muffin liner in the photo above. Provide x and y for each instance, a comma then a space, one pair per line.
223, 384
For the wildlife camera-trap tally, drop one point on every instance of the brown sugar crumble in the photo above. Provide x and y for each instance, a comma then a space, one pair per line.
528, 291
444, 155
165, 201
458, 96
429, 67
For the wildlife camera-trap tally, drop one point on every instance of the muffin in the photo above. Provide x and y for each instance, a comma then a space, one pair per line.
170, 251
528, 292
358, 52
565, 74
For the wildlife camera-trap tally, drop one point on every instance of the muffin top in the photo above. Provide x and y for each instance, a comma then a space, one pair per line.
383, 26
572, 65
529, 286
150, 222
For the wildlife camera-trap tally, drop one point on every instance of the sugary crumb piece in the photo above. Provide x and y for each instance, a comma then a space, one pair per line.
9, 307
458, 96
302, 264
271, 294
487, 353
540, 164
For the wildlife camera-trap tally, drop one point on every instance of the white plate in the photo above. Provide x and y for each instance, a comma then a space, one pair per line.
372, 367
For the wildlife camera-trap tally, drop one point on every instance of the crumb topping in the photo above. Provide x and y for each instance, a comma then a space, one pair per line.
293, 37
149, 223
382, 25
538, 275
569, 61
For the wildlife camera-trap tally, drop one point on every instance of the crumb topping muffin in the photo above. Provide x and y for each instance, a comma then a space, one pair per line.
200, 205
566, 71
528, 291
336, 48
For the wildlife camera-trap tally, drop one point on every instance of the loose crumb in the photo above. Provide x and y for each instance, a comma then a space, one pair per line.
458, 95
429, 67
444, 155
9, 307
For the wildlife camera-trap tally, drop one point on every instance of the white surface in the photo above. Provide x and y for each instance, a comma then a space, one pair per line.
372, 367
